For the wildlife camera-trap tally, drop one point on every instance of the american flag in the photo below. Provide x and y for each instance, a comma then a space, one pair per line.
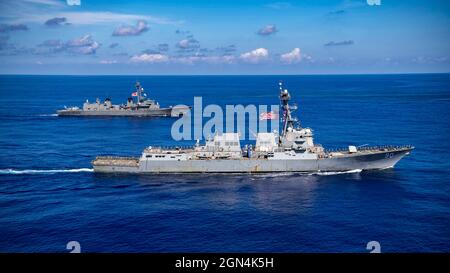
268, 115
134, 94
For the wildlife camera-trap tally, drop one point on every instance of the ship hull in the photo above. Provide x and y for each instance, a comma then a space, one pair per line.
163, 112
380, 160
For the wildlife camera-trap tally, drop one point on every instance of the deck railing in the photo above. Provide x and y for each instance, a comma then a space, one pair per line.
108, 157
178, 147
371, 148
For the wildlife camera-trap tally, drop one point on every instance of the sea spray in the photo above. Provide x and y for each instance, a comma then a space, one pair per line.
12, 171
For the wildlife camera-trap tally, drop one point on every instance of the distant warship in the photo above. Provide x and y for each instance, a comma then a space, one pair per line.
292, 150
141, 106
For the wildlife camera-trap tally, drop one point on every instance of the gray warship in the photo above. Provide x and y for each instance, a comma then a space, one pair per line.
291, 150
142, 107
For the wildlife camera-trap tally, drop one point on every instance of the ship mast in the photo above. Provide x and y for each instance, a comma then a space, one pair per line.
138, 91
286, 117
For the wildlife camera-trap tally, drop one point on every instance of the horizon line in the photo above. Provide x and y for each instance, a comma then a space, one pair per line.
191, 75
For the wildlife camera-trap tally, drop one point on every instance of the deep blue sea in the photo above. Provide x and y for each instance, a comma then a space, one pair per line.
48, 196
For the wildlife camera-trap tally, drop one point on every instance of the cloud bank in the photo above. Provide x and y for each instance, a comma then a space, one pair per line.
150, 58
12, 27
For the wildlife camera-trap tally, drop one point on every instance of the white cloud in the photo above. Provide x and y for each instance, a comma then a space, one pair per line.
308, 58
141, 27
188, 45
205, 59
255, 56
187, 60
291, 57
83, 45
183, 43
74, 2
108, 61
150, 58
226, 59
267, 30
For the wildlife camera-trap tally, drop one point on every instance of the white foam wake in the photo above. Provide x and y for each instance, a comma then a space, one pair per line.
11, 171
335, 173
270, 175
48, 115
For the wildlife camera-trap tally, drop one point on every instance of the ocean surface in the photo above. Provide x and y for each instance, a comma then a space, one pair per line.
50, 196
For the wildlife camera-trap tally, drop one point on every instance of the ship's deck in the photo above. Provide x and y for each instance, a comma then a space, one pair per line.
367, 150
116, 161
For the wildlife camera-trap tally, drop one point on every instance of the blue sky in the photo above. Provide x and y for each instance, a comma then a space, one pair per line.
224, 37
